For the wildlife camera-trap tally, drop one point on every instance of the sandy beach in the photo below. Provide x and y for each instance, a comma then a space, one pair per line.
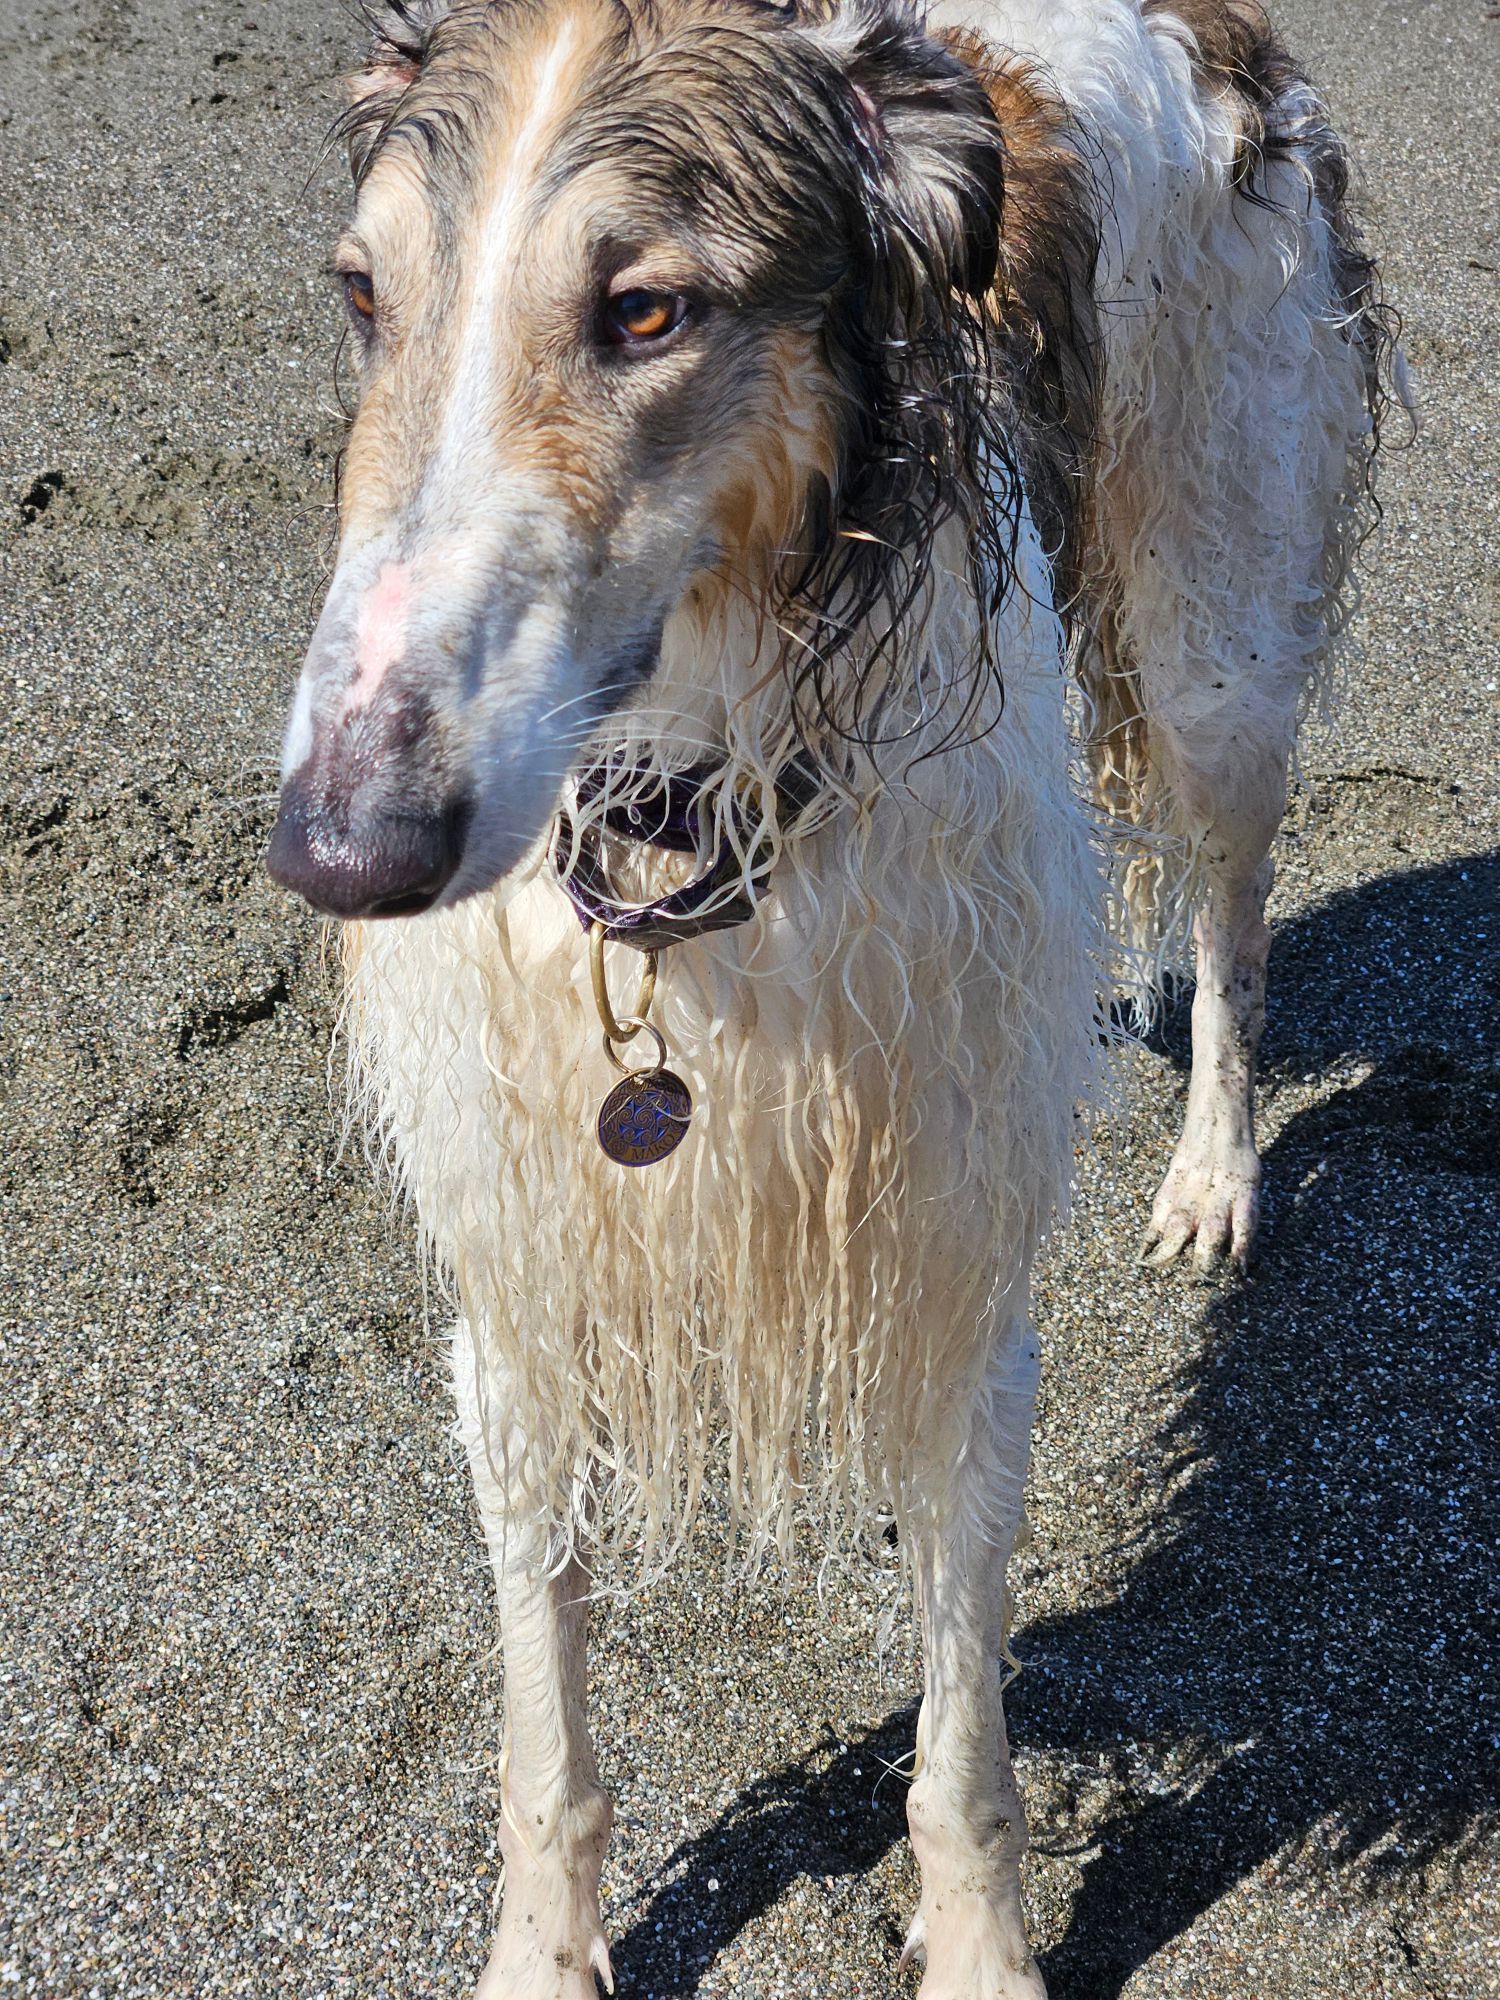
248, 1709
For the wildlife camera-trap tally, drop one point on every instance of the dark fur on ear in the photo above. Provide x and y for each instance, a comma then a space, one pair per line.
938, 148
943, 395
1044, 306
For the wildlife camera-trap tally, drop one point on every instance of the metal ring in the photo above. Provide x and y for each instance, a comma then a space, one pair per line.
617, 1029
633, 1024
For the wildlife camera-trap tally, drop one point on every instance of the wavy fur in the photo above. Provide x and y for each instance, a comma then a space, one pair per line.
1007, 403
886, 1064
1233, 495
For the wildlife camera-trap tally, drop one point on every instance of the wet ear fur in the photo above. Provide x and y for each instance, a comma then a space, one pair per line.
908, 336
398, 41
399, 34
380, 77
936, 156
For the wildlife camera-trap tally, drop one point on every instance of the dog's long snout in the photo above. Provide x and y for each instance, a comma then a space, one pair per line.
434, 721
394, 866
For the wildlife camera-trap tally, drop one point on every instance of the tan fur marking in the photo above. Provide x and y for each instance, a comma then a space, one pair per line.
759, 510
1044, 293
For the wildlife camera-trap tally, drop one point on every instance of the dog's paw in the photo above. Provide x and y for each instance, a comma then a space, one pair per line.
974, 1952
538, 1968
1211, 1200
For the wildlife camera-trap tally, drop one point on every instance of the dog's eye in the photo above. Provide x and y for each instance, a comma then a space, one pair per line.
359, 290
636, 318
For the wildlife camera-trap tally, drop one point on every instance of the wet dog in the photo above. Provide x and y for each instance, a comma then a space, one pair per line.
802, 450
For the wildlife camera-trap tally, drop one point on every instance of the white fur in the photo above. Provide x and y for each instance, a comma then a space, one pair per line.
298, 741
1232, 492
827, 1282
464, 426
884, 1066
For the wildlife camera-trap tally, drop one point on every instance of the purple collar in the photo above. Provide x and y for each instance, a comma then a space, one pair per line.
665, 810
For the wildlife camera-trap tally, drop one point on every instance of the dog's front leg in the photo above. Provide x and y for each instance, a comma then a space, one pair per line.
555, 1815
964, 1811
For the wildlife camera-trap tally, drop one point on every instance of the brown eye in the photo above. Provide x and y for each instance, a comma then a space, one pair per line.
639, 317
359, 290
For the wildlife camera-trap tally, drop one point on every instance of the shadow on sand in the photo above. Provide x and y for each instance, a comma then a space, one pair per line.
1303, 1638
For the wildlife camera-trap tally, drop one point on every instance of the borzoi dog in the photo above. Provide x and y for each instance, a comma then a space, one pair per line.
804, 447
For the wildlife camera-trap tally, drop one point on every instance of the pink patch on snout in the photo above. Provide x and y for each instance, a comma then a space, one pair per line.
381, 636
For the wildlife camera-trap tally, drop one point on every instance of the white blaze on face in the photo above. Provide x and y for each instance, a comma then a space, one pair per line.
465, 420
437, 601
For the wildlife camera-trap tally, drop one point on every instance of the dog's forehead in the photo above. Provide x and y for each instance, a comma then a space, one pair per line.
652, 110
492, 93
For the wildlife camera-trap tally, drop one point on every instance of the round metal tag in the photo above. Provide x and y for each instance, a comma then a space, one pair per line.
644, 1117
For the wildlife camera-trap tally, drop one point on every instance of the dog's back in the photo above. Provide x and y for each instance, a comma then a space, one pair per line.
1247, 363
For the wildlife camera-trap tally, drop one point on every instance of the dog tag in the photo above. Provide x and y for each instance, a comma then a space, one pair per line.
644, 1117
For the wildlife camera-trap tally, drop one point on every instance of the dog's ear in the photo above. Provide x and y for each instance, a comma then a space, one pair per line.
907, 334
399, 34
935, 155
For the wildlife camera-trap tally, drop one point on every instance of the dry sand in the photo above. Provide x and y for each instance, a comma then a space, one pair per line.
249, 1721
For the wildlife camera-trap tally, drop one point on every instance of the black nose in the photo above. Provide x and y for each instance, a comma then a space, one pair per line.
388, 866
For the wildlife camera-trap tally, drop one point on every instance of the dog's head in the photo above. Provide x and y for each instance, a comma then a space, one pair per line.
649, 297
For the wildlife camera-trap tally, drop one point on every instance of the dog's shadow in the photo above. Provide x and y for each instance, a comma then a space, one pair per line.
1301, 1643
834, 1811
